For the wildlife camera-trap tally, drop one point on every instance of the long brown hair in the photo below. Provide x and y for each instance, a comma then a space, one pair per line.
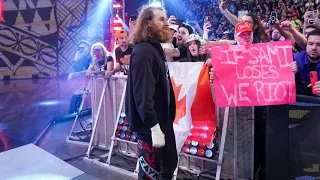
258, 29
141, 31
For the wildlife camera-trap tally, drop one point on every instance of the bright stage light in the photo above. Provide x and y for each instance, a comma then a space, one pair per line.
117, 28
123, 130
116, 6
117, 21
156, 4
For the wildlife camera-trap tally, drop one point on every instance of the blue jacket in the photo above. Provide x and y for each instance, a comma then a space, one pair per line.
304, 66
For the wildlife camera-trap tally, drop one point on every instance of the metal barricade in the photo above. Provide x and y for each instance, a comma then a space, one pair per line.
238, 159
107, 104
237, 129
304, 138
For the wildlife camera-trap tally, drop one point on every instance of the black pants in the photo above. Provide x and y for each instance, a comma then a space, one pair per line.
157, 163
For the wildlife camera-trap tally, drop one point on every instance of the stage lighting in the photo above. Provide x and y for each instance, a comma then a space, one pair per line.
156, 4
133, 137
193, 150
116, 6
122, 135
188, 142
116, 21
211, 146
200, 152
128, 136
121, 121
209, 154
123, 130
186, 149
117, 28
197, 147
194, 143
118, 134
202, 145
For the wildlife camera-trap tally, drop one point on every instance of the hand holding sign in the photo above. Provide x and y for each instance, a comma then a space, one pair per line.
294, 67
254, 75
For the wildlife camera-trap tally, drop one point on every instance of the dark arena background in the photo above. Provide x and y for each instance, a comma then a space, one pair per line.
57, 122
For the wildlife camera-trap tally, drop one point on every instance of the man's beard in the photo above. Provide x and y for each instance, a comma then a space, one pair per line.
124, 45
162, 35
276, 38
314, 59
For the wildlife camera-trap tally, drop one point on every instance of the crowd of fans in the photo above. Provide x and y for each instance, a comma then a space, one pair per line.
193, 12
212, 22
297, 21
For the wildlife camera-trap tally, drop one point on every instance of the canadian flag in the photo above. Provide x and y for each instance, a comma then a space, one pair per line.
195, 108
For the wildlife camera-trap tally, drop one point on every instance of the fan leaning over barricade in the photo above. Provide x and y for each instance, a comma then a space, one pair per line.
101, 60
193, 44
123, 53
307, 66
181, 34
243, 36
259, 34
81, 61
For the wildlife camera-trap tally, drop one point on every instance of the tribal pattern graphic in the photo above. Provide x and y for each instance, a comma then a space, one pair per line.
23, 54
39, 38
71, 16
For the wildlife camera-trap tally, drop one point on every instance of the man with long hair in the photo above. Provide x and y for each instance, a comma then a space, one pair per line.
150, 102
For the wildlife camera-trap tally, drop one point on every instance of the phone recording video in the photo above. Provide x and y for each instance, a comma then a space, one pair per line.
225, 4
207, 19
179, 22
134, 17
80, 49
273, 18
313, 80
313, 17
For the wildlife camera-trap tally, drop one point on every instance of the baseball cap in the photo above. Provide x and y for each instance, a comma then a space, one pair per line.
193, 37
243, 27
174, 27
120, 33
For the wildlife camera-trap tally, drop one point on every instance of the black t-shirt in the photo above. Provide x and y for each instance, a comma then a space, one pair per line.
183, 52
109, 58
120, 54
102, 64
297, 48
82, 64
313, 66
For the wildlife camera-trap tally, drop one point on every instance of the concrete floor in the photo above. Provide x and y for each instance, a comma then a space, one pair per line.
27, 107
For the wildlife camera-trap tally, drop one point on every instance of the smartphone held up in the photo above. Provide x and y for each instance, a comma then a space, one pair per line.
313, 80
224, 4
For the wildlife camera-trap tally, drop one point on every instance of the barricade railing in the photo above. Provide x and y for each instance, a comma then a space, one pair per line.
108, 100
304, 138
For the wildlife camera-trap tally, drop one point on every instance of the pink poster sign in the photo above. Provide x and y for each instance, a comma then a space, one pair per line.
253, 75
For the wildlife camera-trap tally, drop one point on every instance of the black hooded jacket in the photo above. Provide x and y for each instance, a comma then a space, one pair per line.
148, 100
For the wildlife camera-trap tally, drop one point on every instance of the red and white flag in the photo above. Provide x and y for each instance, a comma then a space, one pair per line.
195, 109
